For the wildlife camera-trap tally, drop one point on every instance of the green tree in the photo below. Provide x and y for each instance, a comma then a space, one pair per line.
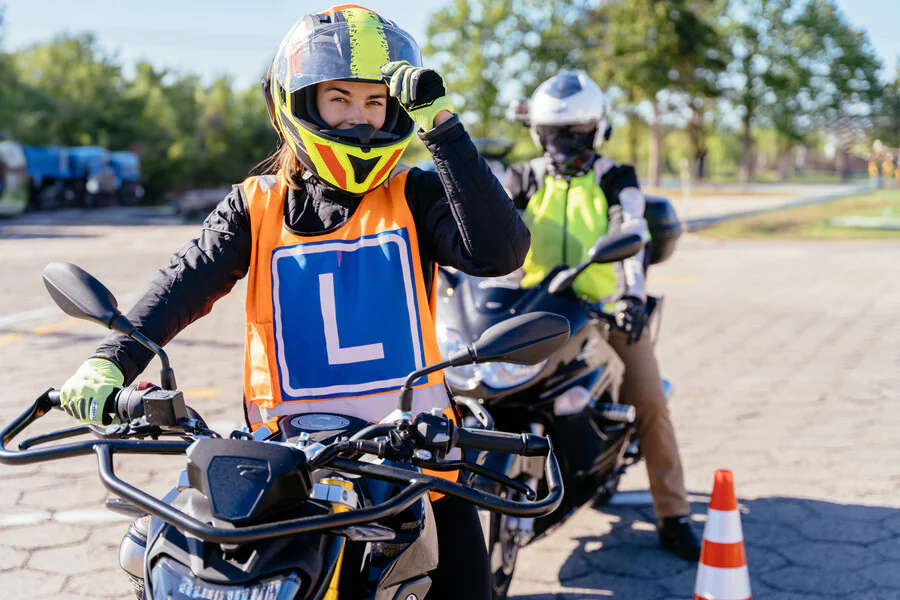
645, 47
465, 43
80, 89
887, 121
844, 86
766, 71
484, 49
703, 55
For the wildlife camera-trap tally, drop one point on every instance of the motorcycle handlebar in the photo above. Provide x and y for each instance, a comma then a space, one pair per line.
125, 403
524, 444
418, 483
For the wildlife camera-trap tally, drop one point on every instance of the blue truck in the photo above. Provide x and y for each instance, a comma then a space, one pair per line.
52, 185
127, 167
85, 176
95, 180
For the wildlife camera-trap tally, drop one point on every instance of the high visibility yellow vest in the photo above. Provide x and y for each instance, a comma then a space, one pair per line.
565, 219
336, 321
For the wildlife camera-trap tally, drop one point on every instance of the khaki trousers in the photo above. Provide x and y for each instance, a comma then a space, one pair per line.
642, 388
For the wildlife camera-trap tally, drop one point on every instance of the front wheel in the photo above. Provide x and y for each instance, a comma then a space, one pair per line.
503, 552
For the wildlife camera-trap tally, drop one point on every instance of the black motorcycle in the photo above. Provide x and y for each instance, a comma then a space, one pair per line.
329, 504
572, 396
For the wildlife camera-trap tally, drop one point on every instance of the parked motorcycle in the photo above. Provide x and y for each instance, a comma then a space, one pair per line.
571, 397
270, 519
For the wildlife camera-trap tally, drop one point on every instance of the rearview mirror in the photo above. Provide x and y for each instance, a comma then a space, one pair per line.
524, 340
610, 248
80, 295
615, 247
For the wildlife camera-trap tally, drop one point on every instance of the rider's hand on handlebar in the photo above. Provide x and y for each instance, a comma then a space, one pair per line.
631, 317
86, 394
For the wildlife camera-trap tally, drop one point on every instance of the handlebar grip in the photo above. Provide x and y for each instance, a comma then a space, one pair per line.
525, 444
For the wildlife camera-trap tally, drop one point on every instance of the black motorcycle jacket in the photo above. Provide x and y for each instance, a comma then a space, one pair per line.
463, 217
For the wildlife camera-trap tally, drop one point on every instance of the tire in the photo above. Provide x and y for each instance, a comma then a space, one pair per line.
503, 552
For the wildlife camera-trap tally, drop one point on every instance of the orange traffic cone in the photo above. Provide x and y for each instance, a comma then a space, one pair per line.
722, 573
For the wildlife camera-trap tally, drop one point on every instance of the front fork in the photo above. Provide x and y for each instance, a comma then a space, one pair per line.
521, 528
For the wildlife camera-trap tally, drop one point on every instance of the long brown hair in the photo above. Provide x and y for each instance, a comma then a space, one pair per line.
285, 161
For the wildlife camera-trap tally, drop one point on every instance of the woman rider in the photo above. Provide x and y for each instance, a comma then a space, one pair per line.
340, 244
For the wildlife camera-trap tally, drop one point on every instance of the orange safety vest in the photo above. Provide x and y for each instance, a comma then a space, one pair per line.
337, 320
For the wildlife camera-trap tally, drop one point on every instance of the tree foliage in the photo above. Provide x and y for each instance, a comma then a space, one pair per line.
70, 92
792, 72
887, 120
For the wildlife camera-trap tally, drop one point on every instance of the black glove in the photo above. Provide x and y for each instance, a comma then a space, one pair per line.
631, 317
420, 91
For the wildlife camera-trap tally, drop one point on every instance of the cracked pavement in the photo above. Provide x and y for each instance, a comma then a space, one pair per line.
784, 357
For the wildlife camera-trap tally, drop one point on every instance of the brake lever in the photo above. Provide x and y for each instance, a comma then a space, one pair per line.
452, 465
52, 437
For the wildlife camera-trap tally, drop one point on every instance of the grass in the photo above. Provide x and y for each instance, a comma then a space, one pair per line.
811, 222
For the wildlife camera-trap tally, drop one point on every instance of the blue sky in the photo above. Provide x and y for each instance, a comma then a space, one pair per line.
237, 38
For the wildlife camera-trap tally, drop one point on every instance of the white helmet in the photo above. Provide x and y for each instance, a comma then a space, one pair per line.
568, 99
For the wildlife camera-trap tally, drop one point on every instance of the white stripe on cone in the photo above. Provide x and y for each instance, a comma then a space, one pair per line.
723, 527
723, 584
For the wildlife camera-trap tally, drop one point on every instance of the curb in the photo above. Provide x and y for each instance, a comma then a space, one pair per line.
704, 222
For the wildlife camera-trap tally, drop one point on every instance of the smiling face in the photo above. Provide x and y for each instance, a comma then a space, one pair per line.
345, 104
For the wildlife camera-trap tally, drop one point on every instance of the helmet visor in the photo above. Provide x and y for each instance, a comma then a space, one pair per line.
550, 131
344, 50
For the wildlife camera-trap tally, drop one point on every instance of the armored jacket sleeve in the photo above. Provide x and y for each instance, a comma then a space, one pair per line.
203, 271
626, 213
464, 216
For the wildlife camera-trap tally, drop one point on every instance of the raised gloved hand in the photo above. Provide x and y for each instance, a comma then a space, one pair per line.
631, 317
86, 393
420, 91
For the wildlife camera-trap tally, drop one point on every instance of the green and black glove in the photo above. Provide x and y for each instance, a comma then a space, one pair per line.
86, 394
420, 91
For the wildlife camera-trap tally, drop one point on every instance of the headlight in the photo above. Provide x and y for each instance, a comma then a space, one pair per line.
449, 341
173, 581
506, 375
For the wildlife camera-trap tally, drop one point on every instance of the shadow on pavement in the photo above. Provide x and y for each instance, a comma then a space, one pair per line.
47, 224
797, 549
10, 233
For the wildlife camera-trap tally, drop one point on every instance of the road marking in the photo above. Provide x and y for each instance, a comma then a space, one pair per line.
28, 314
9, 338
51, 310
61, 516
201, 392
58, 326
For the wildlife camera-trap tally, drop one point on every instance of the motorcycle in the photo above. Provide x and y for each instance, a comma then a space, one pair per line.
328, 504
572, 396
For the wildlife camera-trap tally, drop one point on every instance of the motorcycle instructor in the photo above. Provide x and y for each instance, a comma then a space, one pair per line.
340, 244
571, 196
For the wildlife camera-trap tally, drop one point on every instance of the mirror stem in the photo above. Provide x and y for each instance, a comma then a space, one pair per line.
166, 374
404, 403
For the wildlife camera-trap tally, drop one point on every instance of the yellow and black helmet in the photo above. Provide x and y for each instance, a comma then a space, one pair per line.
345, 42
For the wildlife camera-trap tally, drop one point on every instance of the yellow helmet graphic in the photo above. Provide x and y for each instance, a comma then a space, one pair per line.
346, 42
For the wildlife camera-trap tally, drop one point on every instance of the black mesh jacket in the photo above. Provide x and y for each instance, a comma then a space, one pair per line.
463, 217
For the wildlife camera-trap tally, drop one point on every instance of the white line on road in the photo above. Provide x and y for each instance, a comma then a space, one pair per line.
28, 314
44, 312
61, 516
